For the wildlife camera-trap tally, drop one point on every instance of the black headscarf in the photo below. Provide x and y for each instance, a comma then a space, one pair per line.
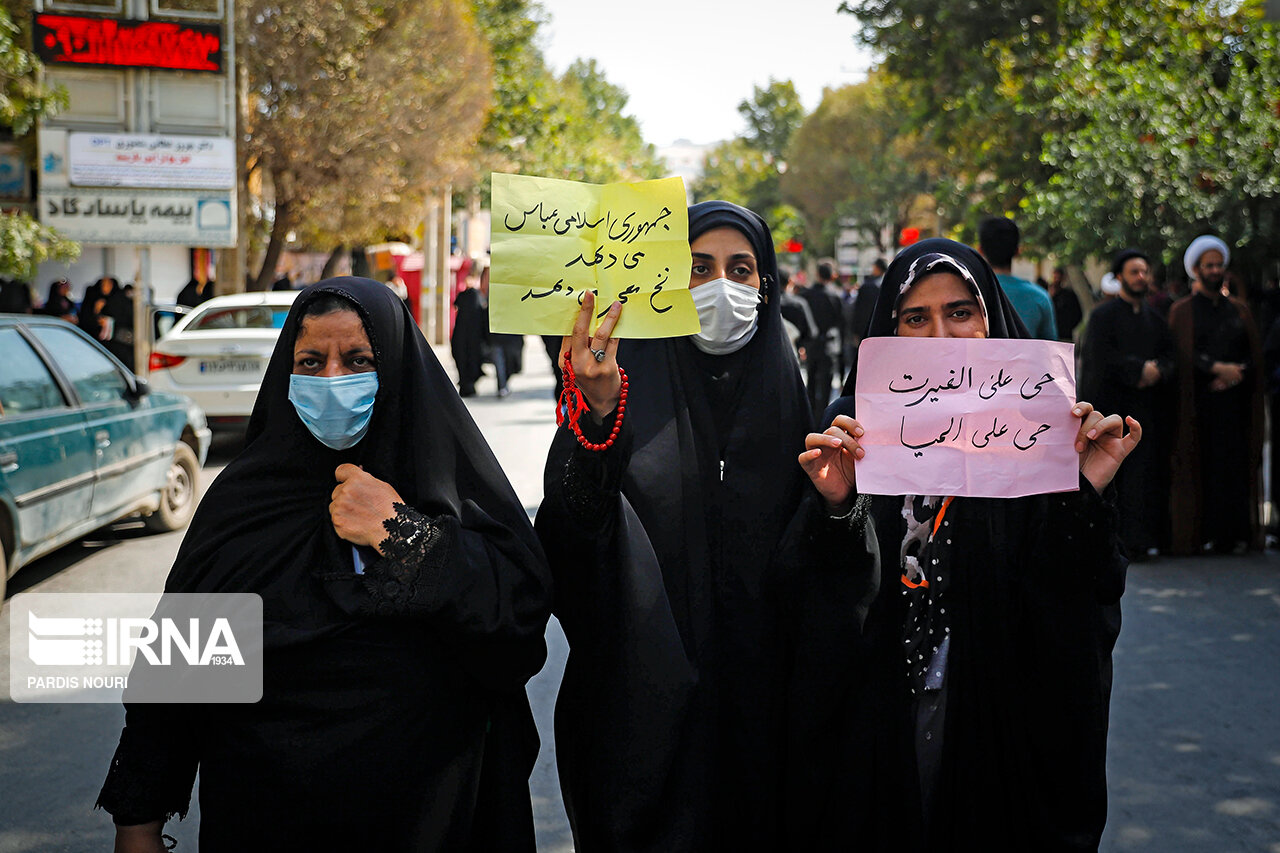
672, 621
674, 392
57, 305
940, 255
264, 524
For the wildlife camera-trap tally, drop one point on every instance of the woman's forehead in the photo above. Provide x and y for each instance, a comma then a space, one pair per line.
934, 286
725, 239
345, 323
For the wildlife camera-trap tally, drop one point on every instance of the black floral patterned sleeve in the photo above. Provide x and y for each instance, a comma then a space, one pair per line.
415, 552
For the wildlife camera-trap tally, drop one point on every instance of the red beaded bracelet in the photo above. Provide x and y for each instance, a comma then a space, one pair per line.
573, 404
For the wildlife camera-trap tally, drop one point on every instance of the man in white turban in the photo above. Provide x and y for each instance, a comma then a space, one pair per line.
1218, 439
1199, 246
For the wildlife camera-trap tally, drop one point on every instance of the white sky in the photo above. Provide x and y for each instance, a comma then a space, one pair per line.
686, 64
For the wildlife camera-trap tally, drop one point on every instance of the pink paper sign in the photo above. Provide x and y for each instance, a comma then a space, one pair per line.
967, 417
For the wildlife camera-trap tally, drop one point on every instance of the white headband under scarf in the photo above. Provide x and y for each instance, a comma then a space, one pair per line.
929, 263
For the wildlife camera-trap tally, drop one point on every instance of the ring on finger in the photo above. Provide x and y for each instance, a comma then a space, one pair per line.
598, 353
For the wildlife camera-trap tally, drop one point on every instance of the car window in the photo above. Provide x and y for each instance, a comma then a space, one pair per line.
91, 371
166, 319
26, 385
244, 317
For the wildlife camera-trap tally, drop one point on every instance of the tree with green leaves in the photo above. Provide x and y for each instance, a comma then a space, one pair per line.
1098, 125
572, 126
747, 170
1172, 118
357, 108
967, 70
24, 100
772, 114
599, 141
856, 162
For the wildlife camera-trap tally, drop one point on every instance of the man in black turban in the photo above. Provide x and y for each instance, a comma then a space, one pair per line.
1127, 367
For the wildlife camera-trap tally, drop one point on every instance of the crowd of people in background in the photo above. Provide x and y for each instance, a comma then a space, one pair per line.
1195, 360
105, 313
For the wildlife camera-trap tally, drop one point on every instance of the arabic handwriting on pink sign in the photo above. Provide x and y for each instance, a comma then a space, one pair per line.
966, 417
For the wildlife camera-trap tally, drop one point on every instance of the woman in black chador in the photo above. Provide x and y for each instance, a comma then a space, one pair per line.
405, 597
971, 711
668, 722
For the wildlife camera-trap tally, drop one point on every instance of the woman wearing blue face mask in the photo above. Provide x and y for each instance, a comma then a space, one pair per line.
660, 521
404, 595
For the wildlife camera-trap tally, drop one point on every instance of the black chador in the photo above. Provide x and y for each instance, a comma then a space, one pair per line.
393, 715
970, 711
669, 718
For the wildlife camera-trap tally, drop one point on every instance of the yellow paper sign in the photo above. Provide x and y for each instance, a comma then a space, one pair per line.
552, 241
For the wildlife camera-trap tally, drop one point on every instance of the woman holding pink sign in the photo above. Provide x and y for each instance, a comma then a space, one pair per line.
970, 708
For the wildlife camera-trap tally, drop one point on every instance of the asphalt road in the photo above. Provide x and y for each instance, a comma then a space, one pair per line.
1195, 733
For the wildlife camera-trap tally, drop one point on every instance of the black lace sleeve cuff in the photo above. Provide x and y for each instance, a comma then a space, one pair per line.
825, 533
147, 781
417, 548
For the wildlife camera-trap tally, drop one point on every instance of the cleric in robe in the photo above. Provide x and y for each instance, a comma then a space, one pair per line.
1127, 367
1217, 442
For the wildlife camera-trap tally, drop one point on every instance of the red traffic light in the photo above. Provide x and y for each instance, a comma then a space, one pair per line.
793, 246
908, 236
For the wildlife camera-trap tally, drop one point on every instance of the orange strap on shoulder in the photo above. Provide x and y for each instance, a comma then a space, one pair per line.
937, 519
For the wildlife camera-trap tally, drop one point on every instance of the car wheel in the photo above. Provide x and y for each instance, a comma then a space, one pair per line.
178, 501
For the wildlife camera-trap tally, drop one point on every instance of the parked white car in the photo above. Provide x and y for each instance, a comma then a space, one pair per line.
218, 353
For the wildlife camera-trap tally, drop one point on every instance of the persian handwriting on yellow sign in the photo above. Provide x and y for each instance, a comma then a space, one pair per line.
629, 234
626, 293
553, 241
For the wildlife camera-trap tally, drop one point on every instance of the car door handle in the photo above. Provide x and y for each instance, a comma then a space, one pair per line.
8, 462
102, 439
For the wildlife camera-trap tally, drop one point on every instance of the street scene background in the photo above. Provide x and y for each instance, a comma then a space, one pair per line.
1194, 752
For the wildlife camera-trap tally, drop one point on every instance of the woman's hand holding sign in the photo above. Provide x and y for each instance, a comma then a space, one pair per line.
594, 358
1103, 444
830, 456
829, 459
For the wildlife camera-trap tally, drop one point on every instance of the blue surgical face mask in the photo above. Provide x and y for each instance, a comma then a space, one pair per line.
336, 409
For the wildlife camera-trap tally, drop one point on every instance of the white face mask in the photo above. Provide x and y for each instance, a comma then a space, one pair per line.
727, 311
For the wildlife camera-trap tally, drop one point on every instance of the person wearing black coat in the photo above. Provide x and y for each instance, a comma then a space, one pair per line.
1127, 362
196, 292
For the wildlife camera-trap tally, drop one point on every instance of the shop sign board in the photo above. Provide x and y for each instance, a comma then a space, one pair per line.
141, 217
